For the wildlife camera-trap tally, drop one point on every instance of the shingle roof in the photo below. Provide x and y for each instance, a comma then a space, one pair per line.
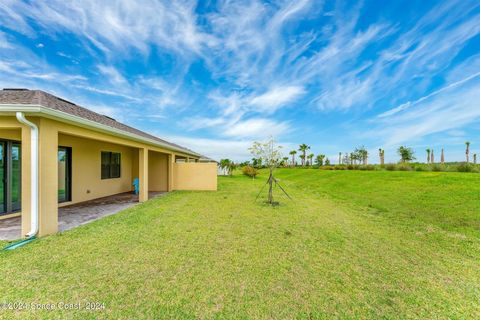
47, 100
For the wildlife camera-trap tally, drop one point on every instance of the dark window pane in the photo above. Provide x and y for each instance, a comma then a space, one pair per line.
111, 166
115, 165
105, 165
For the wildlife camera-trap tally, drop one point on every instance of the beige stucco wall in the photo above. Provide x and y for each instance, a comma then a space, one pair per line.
11, 134
157, 171
87, 183
150, 163
195, 176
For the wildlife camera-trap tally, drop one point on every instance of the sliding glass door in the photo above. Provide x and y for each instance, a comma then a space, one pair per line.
10, 176
16, 168
2, 177
64, 174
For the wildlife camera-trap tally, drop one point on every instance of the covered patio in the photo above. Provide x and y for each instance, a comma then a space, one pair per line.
78, 214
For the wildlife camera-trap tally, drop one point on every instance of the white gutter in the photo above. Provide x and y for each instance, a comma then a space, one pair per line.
63, 116
34, 173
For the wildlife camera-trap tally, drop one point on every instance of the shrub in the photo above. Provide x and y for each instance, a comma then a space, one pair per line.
465, 167
390, 166
437, 167
250, 171
420, 168
404, 167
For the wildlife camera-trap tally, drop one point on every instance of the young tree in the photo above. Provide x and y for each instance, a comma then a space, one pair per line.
442, 157
293, 153
327, 162
303, 148
428, 155
310, 159
270, 153
406, 154
467, 151
319, 159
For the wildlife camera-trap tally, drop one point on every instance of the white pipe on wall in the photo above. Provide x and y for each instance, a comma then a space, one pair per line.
34, 173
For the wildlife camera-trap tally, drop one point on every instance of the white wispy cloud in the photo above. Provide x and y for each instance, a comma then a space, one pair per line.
215, 148
4, 42
112, 74
410, 104
276, 98
257, 128
30, 72
235, 149
447, 110
234, 109
120, 24
106, 92
252, 60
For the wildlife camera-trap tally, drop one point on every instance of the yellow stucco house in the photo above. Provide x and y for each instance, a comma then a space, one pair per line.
54, 153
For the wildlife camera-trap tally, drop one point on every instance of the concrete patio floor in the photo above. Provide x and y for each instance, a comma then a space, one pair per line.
78, 214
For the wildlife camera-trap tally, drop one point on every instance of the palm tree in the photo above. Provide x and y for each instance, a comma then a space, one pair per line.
474, 158
442, 157
381, 154
428, 155
302, 157
432, 159
293, 153
303, 148
339, 158
285, 161
319, 159
228, 166
310, 159
362, 154
467, 151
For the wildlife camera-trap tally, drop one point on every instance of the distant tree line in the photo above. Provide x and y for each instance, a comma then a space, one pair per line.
359, 159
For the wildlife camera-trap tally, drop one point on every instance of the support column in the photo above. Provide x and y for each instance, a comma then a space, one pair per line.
171, 161
143, 174
26, 179
48, 178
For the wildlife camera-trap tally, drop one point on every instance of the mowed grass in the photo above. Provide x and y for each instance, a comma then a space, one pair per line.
352, 244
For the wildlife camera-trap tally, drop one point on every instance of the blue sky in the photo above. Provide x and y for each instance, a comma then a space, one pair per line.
214, 76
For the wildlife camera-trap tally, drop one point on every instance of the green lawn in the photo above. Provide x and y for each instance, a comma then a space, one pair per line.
352, 244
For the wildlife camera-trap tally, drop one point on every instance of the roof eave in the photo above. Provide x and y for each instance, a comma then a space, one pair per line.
66, 117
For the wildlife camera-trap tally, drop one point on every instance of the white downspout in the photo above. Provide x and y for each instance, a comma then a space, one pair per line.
34, 173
